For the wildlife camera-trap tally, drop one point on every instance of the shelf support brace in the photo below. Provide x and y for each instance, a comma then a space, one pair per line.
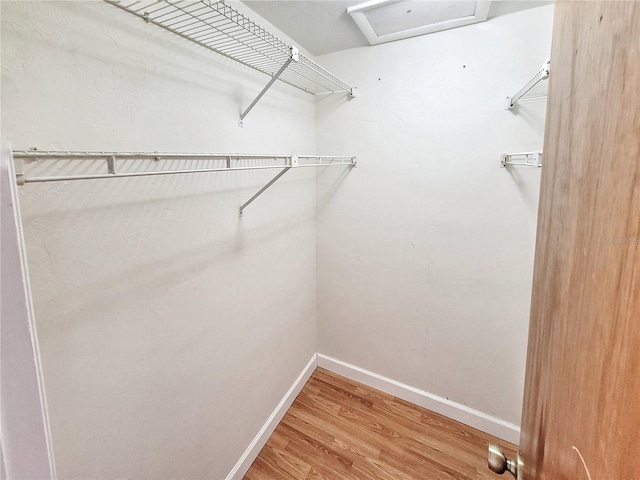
294, 163
541, 74
293, 56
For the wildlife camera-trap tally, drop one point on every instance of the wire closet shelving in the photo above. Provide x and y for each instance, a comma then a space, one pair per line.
219, 27
102, 165
529, 159
535, 88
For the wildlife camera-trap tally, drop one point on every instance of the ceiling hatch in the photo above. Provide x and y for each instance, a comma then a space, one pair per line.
387, 20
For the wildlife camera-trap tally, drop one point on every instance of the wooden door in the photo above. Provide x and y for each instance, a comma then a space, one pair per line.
582, 387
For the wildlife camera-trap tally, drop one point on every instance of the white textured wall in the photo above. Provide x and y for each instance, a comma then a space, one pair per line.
425, 254
169, 328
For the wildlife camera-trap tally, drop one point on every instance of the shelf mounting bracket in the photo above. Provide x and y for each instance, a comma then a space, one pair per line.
541, 74
293, 57
18, 166
529, 159
293, 163
111, 165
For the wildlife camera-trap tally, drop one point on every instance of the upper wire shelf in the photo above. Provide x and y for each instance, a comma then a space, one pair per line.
529, 89
224, 30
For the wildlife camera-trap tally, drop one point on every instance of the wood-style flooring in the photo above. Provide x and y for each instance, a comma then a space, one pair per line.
338, 429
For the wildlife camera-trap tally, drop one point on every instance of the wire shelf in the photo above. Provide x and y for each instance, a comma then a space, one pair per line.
218, 27
31, 166
37, 166
534, 88
529, 159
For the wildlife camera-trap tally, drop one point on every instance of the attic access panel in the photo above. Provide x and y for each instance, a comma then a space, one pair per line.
388, 20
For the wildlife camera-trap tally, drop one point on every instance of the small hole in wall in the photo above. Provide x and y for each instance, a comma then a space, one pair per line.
464, 66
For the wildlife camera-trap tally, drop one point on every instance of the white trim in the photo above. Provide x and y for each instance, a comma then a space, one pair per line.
252, 451
31, 451
461, 413
357, 12
44, 408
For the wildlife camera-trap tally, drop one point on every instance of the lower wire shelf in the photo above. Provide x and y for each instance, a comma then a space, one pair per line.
58, 166
529, 159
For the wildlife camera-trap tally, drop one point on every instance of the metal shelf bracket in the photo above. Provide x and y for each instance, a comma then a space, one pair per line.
293, 163
111, 165
262, 190
540, 75
19, 169
529, 159
293, 57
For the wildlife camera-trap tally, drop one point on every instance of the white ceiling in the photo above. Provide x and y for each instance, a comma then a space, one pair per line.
323, 26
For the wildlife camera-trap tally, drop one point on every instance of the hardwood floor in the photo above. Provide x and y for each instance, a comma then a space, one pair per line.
338, 429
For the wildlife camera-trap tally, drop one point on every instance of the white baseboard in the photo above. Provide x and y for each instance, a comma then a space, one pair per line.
242, 465
461, 413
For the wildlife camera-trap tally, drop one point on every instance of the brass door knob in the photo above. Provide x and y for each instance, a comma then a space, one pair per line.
499, 463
